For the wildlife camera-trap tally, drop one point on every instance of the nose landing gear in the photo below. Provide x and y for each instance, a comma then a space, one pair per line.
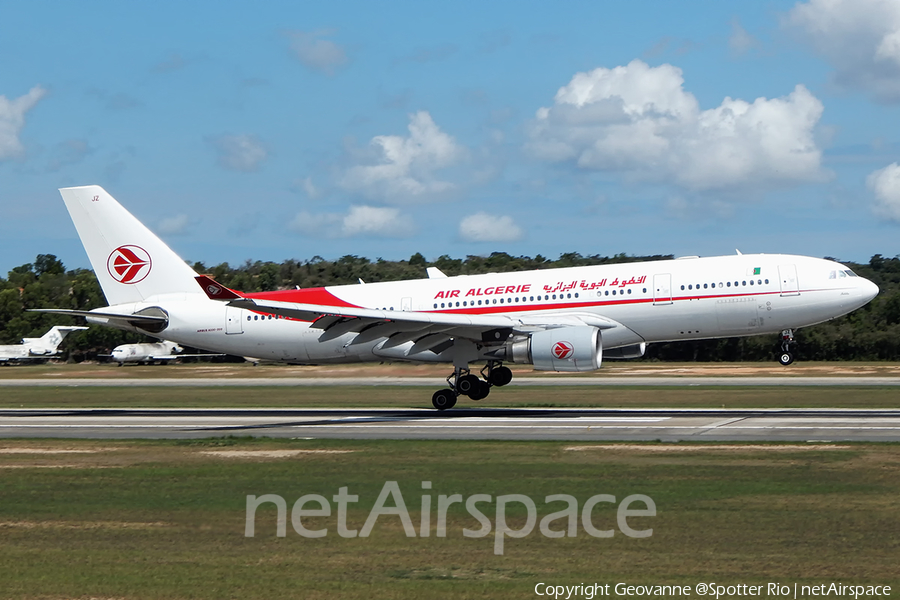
463, 383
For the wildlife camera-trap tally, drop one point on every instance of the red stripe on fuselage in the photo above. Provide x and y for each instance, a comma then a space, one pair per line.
319, 296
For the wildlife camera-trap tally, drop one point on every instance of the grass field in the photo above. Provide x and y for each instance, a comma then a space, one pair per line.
420, 397
166, 519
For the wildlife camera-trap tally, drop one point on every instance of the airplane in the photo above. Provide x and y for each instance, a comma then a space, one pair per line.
36, 349
162, 352
565, 319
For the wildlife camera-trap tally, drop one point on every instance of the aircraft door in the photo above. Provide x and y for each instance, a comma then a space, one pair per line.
233, 320
662, 288
789, 284
406, 304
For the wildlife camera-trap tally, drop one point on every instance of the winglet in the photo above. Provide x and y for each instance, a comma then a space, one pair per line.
215, 290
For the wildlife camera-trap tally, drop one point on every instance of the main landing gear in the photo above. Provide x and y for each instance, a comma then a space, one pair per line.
463, 383
785, 357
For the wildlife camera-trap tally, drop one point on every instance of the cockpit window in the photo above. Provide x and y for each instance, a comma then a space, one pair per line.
851, 273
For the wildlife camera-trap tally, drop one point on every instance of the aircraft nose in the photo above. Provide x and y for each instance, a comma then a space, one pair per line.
868, 290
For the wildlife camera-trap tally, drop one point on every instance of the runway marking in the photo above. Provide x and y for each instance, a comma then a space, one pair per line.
531, 420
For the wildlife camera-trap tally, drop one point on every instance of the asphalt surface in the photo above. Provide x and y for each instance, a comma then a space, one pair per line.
779, 425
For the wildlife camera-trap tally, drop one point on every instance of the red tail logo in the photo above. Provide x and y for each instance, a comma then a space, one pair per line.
129, 264
563, 350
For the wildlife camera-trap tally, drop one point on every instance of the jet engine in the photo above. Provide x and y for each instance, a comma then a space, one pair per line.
563, 349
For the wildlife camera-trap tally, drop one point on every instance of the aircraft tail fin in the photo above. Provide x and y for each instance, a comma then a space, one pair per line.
131, 262
52, 339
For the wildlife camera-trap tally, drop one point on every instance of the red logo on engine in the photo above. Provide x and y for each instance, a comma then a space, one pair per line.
129, 264
563, 350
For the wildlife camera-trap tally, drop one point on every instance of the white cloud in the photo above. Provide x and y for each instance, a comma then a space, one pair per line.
405, 168
740, 42
174, 225
638, 121
12, 119
239, 152
359, 221
309, 188
885, 184
482, 227
860, 38
317, 53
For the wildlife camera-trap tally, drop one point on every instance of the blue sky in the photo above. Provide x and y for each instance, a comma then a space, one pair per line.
289, 130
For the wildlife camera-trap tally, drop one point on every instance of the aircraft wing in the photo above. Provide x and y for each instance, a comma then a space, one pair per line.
428, 330
176, 356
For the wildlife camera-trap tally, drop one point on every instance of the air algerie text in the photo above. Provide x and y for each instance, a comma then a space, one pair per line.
562, 286
488, 291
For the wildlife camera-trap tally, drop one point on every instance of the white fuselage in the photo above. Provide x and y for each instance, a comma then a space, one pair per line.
683, 299
137, 353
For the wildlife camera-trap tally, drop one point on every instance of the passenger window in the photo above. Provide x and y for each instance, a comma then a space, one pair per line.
704, 286
682, 287
729, 284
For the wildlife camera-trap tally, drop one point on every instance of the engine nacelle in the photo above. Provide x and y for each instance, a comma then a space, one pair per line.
625, 352
567, 349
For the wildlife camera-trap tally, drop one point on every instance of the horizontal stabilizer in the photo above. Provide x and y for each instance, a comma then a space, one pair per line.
147, 319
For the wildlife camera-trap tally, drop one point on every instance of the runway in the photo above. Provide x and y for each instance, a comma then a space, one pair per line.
669, 425
436, 382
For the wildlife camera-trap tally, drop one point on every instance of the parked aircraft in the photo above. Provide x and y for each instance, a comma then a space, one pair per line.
36, 349
556, 319
149, 353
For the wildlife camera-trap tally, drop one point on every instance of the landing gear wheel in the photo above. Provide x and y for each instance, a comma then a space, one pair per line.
444, 399
468, 384
481, 391
787, 339
500, 376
